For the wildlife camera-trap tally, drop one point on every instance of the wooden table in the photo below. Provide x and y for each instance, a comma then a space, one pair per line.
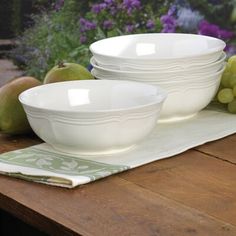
190, 194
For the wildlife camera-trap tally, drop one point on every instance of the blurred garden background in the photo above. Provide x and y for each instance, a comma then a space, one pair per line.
43, 32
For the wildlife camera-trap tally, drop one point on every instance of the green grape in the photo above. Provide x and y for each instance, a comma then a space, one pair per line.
225, 79
233, 15
234, 90
232, 106
232, 59
232, 81
215, 99
225, 95
232, 64
227, 68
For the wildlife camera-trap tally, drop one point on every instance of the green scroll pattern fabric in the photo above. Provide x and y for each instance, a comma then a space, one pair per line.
34, 158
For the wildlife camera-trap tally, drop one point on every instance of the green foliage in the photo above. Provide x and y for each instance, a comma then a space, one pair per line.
60, 35
53, 38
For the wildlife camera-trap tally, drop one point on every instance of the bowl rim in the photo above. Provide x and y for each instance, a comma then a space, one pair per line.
159, 97
214, 50
221, 70
96, 66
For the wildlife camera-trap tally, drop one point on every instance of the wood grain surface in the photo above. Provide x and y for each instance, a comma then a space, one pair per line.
224, 149
193, 179
193, 193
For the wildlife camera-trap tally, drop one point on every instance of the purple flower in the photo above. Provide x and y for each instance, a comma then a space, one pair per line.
97, 8
205, 28
86, 25
169, 23
150, 24
108, 24
131, 5
58, 5
167, 19
111, 5
83, 39
109, 2
89, 67
168, 29
113, 10
129, 28
230, 50
225, 34
172, 10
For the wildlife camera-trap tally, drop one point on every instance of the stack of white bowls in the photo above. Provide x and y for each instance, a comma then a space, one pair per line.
187, 66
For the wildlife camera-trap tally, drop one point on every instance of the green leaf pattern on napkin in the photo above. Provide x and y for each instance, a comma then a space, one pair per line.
60, 164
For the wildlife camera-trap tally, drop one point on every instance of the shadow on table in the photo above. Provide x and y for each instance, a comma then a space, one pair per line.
11, 226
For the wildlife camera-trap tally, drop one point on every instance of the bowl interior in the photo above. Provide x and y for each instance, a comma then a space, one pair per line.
157, 46
92, 96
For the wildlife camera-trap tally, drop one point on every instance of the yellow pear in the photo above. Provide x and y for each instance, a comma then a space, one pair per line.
67, 72
12, 116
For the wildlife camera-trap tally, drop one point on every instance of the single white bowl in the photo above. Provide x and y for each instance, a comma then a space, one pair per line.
186, 98
91, 116
206, 68
158, 49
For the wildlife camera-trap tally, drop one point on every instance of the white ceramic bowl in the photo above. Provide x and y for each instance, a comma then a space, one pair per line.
159, 50
92, 116
157, 76
207, 68
186, 98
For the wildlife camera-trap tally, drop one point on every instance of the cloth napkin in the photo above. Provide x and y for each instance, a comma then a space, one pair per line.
41, 163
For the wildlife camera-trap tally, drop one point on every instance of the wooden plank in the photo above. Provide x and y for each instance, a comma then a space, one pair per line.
108, 207
224, 148
194, 179
32, 218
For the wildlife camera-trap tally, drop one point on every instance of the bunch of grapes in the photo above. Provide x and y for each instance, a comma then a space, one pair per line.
227, 91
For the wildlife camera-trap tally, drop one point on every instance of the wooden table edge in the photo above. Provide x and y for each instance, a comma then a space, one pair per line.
36, 219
